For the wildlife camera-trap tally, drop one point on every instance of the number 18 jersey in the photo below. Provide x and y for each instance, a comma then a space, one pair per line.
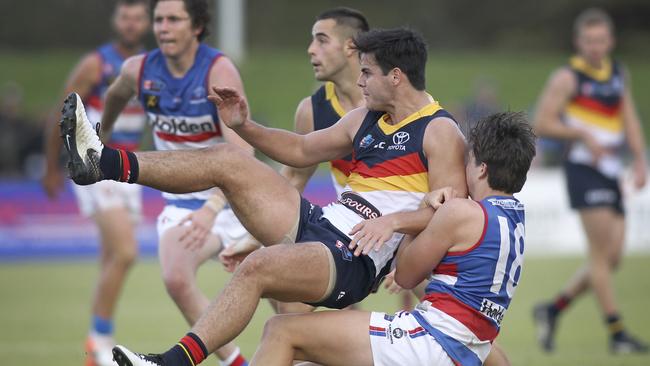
471, 290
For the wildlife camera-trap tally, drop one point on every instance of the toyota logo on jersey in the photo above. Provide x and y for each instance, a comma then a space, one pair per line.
401, 137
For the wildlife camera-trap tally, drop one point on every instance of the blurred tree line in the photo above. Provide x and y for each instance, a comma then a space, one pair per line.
450, 25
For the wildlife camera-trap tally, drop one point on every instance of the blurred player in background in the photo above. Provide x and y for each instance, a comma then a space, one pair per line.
336, 63
589, 104
115, 207
172, 84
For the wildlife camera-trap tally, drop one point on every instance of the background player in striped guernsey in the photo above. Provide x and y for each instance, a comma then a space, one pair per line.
475, 248
335, 62
403, 144
172, 84
115, 207
589, 104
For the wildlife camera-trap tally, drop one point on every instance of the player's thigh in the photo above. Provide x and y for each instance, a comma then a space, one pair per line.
337, 337
290, 272
115, 208
174, 256
399, 339
497, 356
598, 224
117, 229
265, 202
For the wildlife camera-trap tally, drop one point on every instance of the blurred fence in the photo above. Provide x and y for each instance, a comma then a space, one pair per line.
32, 227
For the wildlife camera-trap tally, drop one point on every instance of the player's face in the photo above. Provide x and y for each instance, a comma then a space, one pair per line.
376, 87
327, 49
594, 43
172, 27
131, 23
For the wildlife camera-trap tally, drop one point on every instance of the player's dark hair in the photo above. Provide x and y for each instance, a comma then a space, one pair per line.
590, 17
505, 142
348, 17
400, 48
198, 12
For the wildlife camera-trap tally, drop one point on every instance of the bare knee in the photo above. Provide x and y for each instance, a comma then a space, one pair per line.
255, 269
615, 261
177, 281
277, 329
123, 255
225, 153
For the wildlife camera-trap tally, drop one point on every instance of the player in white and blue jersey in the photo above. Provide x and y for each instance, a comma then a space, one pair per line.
172, 84
114, 207
472, 250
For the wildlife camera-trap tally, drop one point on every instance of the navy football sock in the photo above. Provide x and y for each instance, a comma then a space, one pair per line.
119, 165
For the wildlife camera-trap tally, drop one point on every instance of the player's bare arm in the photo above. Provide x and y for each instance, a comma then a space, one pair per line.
83, 78
225, 74
119, 93
284, 146
634, 134
304, 124
556, 95
444, 147
456, 226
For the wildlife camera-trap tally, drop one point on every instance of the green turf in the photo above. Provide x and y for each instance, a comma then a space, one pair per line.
45, 313
276, 81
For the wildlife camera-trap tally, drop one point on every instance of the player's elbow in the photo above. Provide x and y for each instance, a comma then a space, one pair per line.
404, 280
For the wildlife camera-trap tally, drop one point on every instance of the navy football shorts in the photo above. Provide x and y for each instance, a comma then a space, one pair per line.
590, 188
355, 276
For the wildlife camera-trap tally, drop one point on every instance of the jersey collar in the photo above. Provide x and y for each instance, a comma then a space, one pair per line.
425, 111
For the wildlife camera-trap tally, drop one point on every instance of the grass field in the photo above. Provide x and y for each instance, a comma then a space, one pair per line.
44, 313
277, 80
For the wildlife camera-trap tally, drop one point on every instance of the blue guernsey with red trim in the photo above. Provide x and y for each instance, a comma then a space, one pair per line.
127, 131
470, 291
178, 109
